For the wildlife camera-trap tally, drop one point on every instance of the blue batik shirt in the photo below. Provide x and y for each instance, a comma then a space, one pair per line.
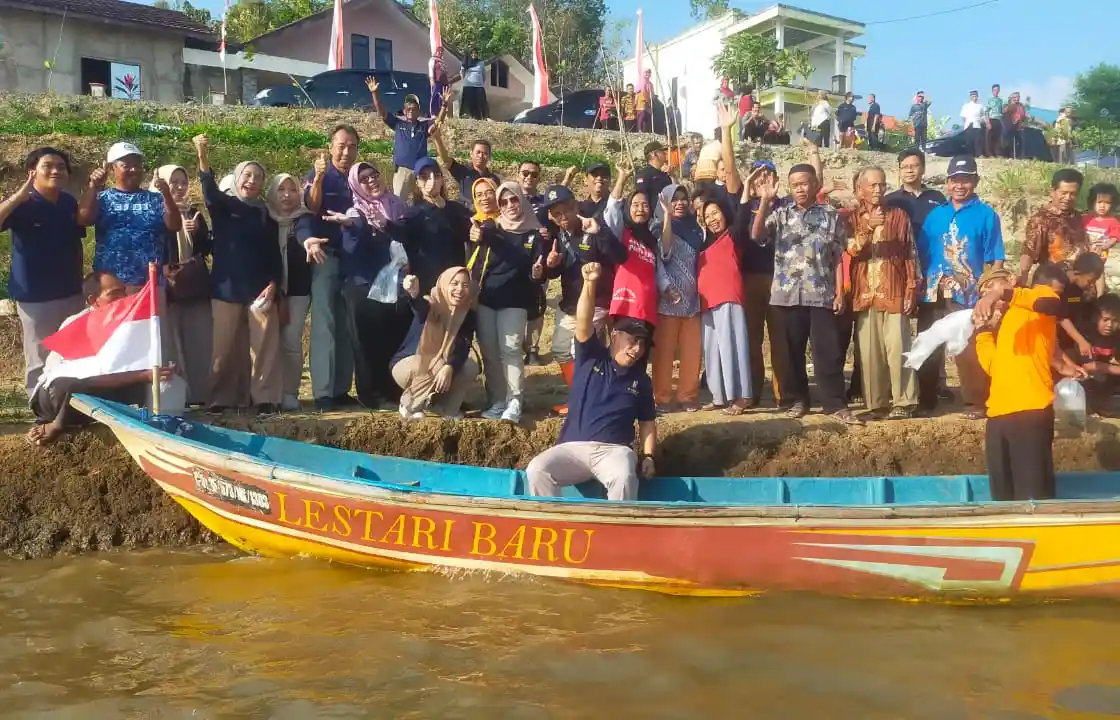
955, 245
130, 234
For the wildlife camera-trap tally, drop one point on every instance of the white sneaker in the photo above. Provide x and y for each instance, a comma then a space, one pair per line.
290, 403
513, 412
495, 412
410, 416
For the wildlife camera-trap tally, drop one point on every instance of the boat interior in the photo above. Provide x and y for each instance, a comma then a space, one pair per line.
429, 477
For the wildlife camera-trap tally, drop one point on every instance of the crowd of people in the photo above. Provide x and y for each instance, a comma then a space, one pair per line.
685, 278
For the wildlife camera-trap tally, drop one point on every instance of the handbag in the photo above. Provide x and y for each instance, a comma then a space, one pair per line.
188, 281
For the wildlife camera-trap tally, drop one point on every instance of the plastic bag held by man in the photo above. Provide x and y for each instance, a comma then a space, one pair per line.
953, 331
1070, 402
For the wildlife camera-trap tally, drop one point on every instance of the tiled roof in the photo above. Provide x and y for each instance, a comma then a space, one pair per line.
116, 11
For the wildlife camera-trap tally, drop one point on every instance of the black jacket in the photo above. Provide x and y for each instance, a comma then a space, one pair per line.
246, 246
601, 247
434, 238
507, 278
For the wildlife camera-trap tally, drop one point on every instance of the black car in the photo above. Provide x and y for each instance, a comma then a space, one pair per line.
1034, 147
579, 109
347, 89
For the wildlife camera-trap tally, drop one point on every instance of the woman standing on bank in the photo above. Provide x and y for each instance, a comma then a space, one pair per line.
434, 231
285, 205
246, 278
190, 317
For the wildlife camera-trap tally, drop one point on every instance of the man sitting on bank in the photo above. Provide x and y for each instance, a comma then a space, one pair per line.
610, 391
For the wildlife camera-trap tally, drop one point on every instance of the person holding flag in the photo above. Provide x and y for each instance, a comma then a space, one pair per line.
107, 350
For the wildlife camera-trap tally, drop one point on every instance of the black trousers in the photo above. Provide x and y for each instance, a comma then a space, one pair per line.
473, 103
377, 331
929, 374
847, 325
1020, 454
920, 132
821, 325
974, 141
994, 138
49, 401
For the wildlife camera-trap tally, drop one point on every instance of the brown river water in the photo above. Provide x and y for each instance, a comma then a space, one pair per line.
212, 634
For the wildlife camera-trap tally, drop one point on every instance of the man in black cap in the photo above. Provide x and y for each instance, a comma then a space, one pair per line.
610, 392
598, 183
577, 242
652, 179
410, 137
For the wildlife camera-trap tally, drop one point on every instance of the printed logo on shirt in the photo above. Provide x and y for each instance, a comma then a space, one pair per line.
633, 389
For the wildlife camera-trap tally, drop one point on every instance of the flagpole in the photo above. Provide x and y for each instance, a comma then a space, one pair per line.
154, 352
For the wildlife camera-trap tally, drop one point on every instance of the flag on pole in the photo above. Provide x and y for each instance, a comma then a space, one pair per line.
222, 47
120, 337
540, 69
640, 49
435, 44
335, 60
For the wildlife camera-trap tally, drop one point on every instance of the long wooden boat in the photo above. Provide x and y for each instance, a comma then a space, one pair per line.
712, 536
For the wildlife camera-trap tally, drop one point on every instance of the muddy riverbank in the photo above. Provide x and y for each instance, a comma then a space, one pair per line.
86, 493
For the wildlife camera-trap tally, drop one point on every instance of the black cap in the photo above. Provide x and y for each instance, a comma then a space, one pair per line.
635, 328
594, 168
652, 147
962, 165
556, 194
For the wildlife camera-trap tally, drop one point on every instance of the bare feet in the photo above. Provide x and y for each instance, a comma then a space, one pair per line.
44, 434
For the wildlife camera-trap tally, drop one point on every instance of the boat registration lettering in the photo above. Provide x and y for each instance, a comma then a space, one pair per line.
231, 491
419, 532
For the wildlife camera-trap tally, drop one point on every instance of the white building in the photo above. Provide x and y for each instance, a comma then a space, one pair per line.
684, 64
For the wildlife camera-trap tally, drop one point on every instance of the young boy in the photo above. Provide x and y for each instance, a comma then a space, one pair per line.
1083, 275
1103, 361
50, 400
1020, 430
1102, 228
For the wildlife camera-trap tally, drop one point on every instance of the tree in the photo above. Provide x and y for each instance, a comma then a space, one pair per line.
709, 9
1096, 97
198, 14
755, 59
798, 65
248, 19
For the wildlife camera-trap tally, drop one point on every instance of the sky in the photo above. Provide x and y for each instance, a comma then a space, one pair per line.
1010, 42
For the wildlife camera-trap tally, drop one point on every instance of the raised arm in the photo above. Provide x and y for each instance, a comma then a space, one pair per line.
767, 191
585, 308
88, 207
374, 91
569, 174
314, 196
17, 198
211, 193
727, 120
624, 171
172, 218
441, 146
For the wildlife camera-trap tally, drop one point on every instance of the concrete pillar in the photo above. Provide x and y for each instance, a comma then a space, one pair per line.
839, 55
779, 101
780, 31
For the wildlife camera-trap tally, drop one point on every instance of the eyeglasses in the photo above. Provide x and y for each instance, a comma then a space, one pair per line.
530, 174
369, 178
509, 200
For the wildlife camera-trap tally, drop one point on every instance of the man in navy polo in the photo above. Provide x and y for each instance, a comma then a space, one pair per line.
914, 198
410, 138
610, 391
46, 274
326, 189
958, 242
466, 175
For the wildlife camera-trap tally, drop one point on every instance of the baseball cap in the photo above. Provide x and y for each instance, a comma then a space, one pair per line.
962, 165
122, 150
635, 328
425, 162
555, 195
595, 168
652, 147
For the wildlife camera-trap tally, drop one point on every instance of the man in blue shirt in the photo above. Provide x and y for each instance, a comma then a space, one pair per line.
46, 273
326, 189
610, 391
410, 137
957, 242
919, 118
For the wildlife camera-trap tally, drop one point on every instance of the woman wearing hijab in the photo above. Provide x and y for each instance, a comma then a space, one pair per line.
678, 325
190, 319
246, 279
635, 280
285, 206
434, 232
372, 268
724, 322
433, 365
508, 260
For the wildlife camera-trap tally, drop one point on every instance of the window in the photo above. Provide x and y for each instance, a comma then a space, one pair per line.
359, 51
120, 80
499, 74
383, 54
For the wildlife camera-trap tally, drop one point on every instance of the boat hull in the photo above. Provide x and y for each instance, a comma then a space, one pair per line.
687, 551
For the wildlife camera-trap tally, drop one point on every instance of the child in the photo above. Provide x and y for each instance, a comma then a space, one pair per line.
1020, 430
1102, 228
1103, 361
1087, 270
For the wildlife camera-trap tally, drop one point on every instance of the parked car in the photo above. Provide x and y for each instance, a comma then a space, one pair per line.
347, 89
1035, 146
578, 109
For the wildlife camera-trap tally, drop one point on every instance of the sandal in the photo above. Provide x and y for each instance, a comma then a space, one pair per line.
711, 406
976, 415
735, 409
900, 413
796, 411
847, 417
691, 407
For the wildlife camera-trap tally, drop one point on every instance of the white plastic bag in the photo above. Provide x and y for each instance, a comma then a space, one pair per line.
953, 331
1069, 402
386, 285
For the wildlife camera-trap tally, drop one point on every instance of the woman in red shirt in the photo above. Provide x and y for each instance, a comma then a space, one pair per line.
635, 281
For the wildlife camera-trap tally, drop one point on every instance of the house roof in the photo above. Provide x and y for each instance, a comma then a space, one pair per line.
351, 3
115, 11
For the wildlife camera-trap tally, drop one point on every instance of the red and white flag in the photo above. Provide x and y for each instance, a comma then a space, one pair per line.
640, 50
540, 69
435, 42
222, 47
120, 337
336, 59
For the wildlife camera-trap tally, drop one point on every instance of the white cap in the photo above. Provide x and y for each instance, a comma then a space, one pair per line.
121, 150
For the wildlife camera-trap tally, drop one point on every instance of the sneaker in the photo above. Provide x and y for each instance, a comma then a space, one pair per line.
290, 404
512, 413
494, 413
267, 409
409, 416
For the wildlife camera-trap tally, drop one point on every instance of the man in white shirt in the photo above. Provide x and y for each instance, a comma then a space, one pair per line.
973, 113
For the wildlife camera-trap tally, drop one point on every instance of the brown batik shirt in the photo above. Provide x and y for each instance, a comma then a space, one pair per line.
884, 268
1054, 236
